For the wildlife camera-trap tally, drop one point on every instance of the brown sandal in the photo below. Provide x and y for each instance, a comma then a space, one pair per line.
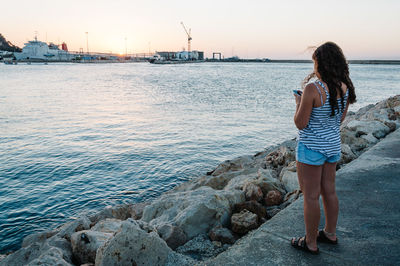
322, 237
300, 243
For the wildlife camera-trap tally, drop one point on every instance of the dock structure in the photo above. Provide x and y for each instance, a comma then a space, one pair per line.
97, 56
215, 53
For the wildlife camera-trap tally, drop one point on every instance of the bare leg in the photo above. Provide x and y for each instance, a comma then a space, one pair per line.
310, 183
329, 198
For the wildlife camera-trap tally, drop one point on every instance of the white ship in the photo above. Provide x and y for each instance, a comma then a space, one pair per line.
41, 51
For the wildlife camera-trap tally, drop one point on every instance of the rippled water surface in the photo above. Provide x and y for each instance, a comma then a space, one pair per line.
78, 137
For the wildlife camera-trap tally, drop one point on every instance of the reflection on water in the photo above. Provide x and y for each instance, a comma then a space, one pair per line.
78, 137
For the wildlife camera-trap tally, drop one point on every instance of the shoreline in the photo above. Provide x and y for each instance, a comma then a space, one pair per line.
293, 61
203, 217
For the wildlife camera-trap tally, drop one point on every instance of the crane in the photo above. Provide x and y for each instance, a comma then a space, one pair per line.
189, 36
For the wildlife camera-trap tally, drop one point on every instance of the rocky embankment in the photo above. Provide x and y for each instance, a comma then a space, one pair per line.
201, 218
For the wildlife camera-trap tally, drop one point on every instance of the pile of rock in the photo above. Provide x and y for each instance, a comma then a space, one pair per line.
200, 218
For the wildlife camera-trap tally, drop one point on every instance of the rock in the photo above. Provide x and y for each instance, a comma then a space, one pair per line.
85, 244
393, 116
243, 222
370, 139
232, 165
146, 226
356, 143
173, 235
216, 182
109, 225
63, 245
263, 178
37, 254
66, 230
175, 258
195, 211
272, 211
289, 180
51, 256
37, 237
364, 109
221, 234
252, 192
273, 197
376, 128
281, 156
136, 211
251, 206
391, 125
347, 154
238, 181
217, 243
133, 246
121, 212
200, 248
290, 198
267, 182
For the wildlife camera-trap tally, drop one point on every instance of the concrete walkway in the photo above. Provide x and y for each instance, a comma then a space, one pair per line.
369, 219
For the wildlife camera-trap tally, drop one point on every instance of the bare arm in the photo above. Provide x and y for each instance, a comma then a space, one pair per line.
304, 105
345, 112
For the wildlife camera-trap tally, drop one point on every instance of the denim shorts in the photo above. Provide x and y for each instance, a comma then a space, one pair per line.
307, 156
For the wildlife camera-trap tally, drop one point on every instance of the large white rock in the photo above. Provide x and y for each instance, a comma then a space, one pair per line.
85, 244
376, 128
66, 230
107, 225
289, 180
133, 246
121, 212
238, 182
267, 182
233, 165
194, 211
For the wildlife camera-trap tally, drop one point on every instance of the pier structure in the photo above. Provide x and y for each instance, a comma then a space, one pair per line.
219, 55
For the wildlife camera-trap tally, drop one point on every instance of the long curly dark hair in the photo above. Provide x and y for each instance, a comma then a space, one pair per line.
333, 69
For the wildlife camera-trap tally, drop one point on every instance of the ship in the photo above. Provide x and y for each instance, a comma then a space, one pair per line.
40, 51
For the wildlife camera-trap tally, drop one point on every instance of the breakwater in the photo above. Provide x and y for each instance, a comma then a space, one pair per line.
201, 218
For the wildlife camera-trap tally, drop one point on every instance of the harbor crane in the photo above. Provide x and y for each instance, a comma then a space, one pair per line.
188, 35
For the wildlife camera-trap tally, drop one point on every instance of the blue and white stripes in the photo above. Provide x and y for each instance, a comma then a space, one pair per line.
322, 132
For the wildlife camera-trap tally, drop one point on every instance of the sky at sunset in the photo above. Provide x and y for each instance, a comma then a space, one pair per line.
254, 28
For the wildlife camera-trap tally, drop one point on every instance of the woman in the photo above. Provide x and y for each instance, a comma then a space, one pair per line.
320, 109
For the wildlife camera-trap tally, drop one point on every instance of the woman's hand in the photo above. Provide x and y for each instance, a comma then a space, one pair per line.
298, 99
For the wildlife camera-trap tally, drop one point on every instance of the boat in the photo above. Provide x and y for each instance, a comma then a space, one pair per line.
7, 58
9, 62
40, 51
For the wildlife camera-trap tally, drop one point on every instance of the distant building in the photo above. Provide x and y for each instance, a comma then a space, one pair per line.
201, 55
182, 55
166, 55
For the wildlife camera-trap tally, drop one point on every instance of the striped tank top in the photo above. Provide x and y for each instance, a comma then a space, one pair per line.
322, 132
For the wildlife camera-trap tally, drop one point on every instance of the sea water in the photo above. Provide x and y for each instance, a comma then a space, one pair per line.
79, 137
